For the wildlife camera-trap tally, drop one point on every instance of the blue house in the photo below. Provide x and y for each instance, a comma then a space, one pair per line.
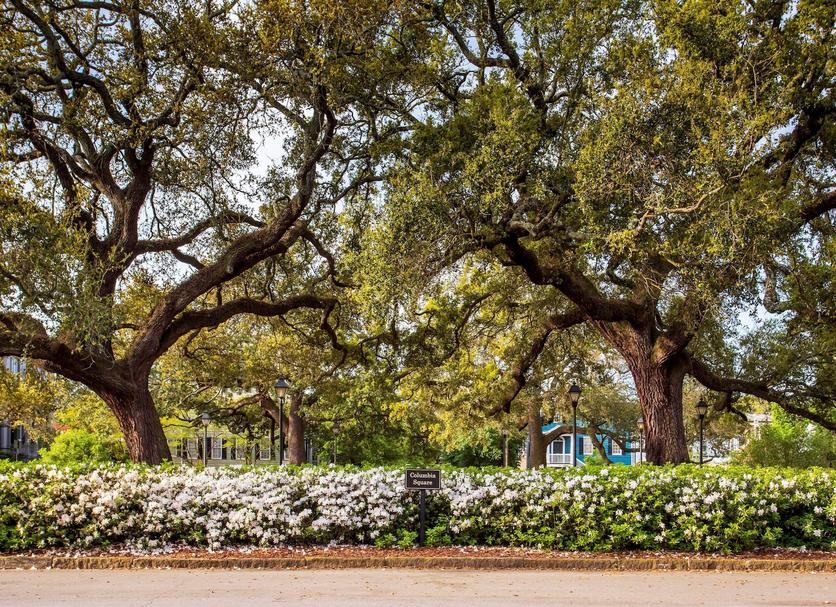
559, 448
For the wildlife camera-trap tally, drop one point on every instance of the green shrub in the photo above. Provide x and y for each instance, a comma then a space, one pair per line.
686, 508
594, 460
789, 441
439, 535
80, 446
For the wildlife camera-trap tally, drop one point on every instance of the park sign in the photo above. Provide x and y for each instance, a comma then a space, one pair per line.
423, 479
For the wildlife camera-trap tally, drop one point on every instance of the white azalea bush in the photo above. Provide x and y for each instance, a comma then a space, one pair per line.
723, 509
677, 508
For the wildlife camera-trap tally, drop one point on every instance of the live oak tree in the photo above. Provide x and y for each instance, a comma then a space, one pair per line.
651, 167
129, 150
659, 166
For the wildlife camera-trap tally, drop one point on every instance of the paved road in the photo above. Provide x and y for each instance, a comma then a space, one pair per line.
369, 588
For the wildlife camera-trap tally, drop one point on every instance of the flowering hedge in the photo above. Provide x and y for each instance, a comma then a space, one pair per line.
678, 508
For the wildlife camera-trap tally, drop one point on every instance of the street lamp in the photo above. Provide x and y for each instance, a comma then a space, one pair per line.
641, 439
204, 419
336, 431
702, 409
505, 447
281, 390
574, 396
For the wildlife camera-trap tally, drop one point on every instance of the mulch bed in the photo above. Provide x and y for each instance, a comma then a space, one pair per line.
365, 552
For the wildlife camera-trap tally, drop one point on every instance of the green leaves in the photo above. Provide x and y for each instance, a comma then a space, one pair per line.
789, 441
80, 446
657, 152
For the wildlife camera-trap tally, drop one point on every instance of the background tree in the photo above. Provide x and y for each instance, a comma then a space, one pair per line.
458, 335
29, 399
788, 441
230, 372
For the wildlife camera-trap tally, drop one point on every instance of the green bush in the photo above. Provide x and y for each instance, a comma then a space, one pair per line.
789, 441
686, 508
77, 446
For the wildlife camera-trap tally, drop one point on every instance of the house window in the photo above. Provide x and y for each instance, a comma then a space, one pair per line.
191, 448
12, 364
264, 451
615, 448
587, 445
240, 449
217, 447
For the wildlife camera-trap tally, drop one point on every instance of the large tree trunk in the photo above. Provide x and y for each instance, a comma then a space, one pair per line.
296, 432
660, 395
659, 388
139, 421
536, 440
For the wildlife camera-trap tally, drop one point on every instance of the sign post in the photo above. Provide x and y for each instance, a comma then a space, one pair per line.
422, 481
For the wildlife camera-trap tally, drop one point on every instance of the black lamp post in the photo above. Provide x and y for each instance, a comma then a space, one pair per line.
574, 396
702, 409
281, 391
205, 419
335, 429
641, 439
505, 448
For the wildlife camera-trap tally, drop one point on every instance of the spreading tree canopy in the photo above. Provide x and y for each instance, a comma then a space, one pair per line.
649, 170
128, 157
661, 167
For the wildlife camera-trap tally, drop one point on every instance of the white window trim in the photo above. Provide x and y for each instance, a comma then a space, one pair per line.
587, 445
263, 452
217, 447
615, 448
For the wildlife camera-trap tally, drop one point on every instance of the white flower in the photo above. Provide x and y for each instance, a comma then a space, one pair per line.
150, 507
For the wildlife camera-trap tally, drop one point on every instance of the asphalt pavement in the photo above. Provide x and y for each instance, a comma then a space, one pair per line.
377, 587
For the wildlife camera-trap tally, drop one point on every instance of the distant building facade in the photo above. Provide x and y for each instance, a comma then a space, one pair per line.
560, 450
225, 449
719, 451
15, 442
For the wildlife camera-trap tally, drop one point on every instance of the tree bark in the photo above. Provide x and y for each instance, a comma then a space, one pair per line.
139, 421
658, 381
537, 442
660, 396
296, 432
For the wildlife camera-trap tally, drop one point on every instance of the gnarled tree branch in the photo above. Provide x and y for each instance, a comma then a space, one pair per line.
700, 371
